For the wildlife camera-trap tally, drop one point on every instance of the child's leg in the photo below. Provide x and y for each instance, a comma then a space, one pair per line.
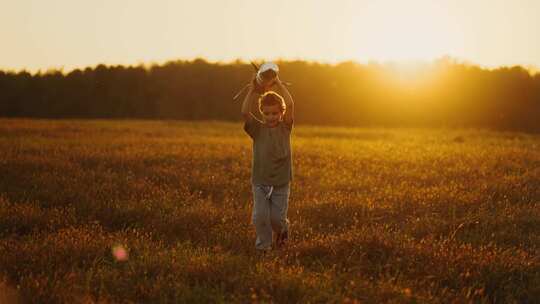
261, 218
279, 204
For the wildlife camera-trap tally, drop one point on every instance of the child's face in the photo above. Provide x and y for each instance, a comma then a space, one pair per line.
271, 115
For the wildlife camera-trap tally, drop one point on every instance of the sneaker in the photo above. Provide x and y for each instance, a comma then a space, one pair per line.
262, 251
282, 238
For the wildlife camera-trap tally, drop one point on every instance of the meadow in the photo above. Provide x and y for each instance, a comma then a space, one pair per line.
132, 211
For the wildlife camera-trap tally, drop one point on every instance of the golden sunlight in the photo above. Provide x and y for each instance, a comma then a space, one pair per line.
412, 74
405, 31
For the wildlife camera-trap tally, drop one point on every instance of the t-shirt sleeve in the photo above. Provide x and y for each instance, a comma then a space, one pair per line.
288, 125
252, 128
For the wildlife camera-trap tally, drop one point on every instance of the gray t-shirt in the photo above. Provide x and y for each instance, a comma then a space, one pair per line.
272, 160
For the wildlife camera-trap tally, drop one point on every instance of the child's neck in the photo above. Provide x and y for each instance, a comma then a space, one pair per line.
271, 126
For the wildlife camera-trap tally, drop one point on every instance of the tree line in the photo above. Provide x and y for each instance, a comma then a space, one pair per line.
441, 93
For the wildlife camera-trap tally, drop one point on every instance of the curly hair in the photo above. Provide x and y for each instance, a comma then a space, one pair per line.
271, 98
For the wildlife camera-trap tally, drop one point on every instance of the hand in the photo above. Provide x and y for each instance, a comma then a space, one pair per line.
256, 86
271, 83
277, 81
265, 86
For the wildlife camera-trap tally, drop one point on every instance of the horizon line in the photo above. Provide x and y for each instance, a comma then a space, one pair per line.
530, 68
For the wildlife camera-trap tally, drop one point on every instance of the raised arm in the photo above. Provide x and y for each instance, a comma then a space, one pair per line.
284, 92
247, 104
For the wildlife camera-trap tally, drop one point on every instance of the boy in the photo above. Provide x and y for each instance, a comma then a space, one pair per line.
272, 162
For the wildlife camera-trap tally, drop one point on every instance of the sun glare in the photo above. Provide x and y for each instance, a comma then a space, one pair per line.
406, 31
410, 73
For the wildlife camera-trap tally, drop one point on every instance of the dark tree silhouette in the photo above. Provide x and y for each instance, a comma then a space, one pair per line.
442, 93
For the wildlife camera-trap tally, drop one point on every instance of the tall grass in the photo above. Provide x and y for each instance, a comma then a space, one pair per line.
378, 215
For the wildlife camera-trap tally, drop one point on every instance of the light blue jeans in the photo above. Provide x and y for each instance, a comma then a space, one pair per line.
270, 204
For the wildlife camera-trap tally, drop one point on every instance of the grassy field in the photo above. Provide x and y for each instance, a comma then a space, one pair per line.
377, 215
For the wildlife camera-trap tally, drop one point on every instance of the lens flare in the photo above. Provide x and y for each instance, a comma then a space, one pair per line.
120, 253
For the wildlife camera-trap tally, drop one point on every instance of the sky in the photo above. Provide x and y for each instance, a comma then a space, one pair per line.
67, 34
